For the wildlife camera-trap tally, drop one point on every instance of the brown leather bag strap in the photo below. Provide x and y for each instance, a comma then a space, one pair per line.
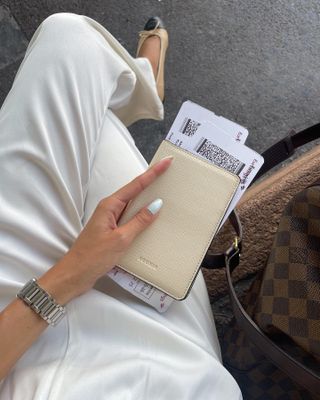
214, 261
297, 371
307, 378
275, 154
285, 148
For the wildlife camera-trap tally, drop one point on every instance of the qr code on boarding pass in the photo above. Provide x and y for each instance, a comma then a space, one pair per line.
189, 127
219, 156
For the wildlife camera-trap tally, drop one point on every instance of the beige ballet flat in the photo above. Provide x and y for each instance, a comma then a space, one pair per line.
155, 26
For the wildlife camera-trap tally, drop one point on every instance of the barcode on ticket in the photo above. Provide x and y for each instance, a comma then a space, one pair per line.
189, 127
219, 156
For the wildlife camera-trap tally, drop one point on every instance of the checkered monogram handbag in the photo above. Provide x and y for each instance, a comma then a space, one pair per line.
289, 297
272, 346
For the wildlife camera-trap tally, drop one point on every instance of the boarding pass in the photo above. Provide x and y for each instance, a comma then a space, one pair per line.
218, 140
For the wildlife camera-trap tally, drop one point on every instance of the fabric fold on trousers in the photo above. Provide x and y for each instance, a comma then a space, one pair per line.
143, 102
64, 145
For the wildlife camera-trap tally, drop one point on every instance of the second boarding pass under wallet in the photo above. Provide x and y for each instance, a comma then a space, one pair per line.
197, 139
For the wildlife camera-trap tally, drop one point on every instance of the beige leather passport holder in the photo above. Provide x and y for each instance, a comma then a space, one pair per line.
196, 195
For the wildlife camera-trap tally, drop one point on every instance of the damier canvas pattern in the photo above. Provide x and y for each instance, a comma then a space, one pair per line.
289, 284
257, 377
289, 297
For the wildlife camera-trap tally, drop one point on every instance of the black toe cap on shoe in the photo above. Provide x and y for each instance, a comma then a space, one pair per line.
152, 23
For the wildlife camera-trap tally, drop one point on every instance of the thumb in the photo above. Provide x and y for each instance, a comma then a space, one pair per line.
142, 219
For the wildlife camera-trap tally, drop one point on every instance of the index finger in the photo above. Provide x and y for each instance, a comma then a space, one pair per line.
138, 184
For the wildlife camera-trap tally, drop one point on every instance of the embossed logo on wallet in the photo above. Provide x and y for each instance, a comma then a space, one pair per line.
149, 263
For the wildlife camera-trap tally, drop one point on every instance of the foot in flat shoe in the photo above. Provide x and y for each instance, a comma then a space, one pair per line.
153, 44
151, 50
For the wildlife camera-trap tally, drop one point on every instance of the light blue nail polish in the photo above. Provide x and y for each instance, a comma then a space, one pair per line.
155, 206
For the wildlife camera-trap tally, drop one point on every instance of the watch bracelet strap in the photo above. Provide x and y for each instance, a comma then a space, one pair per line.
41, 302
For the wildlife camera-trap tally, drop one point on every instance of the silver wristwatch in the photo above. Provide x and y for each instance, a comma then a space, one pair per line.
41, 302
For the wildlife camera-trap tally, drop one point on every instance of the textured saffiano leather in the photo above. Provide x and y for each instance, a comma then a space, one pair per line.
196, 195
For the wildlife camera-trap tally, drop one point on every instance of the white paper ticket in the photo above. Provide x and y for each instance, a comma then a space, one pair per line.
144, 291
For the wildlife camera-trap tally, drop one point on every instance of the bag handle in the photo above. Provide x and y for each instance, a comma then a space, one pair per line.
285, 148
304, 376
274, 155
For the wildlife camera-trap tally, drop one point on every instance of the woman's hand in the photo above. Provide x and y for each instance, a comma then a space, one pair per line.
101, 243
95, 251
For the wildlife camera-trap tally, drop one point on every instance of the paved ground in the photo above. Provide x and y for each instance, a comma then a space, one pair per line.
255, 62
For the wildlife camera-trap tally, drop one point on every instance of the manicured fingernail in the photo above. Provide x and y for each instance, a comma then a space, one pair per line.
164, 158
155, 206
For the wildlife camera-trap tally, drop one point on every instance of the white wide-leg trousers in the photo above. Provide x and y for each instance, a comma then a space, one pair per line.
64, 146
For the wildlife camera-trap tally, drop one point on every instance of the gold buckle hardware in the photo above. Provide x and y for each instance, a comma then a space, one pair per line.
235, 243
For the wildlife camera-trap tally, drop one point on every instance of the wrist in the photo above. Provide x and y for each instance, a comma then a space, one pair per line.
60, 281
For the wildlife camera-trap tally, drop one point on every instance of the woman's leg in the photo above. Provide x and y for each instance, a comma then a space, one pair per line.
51, 123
